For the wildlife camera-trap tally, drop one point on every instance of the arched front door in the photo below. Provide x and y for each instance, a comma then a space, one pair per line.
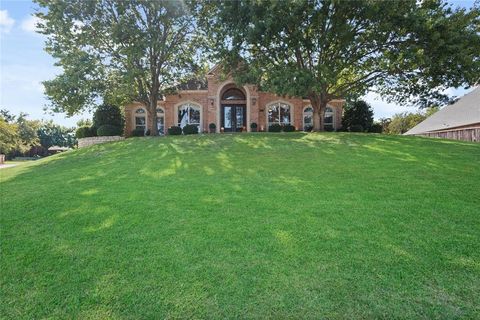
233, 111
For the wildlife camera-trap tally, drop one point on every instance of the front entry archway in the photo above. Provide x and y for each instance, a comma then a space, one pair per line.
233, 110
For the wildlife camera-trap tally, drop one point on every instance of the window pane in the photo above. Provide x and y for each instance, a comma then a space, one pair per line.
328, 119
239, 111
228, 117
140, 121
285, 114
160, 110
140, 111
194, 115
233, 94
182, 116
307, 120
273, 114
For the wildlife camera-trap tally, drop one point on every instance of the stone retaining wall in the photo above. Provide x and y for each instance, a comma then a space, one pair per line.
85, 142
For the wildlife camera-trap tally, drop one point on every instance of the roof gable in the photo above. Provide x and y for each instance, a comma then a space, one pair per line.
463, 112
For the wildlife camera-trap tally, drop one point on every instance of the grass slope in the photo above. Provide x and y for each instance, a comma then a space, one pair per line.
248, 225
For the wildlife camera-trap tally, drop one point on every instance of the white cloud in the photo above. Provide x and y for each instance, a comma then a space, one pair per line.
6, 22
30, 24
384, 109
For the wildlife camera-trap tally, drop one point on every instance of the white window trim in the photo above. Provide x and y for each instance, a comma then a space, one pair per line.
178, 105
292, 112
303, 116
333, 116
328, 106
163, 109
143, 114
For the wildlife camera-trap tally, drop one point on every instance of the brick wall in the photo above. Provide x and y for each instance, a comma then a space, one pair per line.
209, 101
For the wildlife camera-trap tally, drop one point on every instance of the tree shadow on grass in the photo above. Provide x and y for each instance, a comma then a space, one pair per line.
200, 226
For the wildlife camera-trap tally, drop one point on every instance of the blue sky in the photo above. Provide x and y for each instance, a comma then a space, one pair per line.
24, 65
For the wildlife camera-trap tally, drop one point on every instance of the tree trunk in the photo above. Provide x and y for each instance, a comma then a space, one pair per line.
318, 105
153, 115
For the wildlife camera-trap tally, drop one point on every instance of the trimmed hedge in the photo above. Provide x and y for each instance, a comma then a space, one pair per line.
329, 128
140, 133
85, 132
279, 128
109, 130
275, 128
174, 131
190, 129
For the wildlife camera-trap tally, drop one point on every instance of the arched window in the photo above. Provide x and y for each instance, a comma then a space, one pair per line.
140, 119
233, 94
329, 119
308, 119
189, 113
279, 113
160, 121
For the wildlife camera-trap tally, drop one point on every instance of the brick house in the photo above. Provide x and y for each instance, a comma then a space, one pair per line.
230, 107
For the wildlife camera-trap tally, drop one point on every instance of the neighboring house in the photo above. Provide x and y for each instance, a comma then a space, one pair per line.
230, 107
459, 121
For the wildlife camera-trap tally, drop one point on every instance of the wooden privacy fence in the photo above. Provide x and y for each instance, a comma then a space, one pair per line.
466, 134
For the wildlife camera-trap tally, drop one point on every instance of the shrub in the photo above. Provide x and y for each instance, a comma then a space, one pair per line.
308, 128
108, 114
329, 128
356, 128
212, 126
174, 131
288, 128
376, 128
84, 132
109, 130
253, 125
275, 128
138, 133
190, 129
358, 113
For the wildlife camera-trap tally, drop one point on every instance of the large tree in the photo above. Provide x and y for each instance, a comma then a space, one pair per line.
325, 49
116, 51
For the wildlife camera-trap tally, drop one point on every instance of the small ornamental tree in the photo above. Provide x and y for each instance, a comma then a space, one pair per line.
357, 114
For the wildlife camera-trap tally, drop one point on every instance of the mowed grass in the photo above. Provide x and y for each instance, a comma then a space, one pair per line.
245, 226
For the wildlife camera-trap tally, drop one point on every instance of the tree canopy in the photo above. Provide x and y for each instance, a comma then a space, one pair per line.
410, 51
117, 51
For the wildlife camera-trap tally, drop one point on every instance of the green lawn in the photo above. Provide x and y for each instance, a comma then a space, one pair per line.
245, 226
